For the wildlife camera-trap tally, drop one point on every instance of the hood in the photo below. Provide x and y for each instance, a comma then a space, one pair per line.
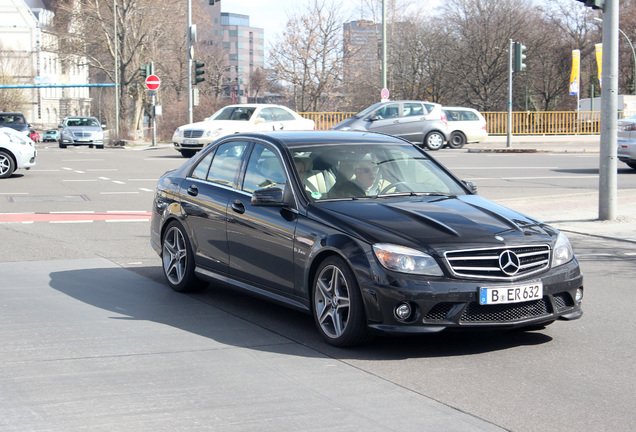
438, 223
226, 125
350, 122
83, 128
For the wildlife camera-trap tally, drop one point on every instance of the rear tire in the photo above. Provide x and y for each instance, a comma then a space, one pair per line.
62, 145
434, 140
337, 305
178, 259
457, 140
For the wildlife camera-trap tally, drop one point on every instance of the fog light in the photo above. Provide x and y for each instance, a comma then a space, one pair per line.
579, 295
403, 311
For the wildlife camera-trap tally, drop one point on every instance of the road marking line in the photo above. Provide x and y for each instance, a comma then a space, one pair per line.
79, 217
146, 190
118, 193
80, 180
118, 182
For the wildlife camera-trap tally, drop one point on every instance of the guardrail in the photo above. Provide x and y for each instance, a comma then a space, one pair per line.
523, 122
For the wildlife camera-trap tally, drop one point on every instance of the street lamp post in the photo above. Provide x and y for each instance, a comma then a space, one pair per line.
631, 45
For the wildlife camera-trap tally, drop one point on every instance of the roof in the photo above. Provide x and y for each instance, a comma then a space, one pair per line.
302, 138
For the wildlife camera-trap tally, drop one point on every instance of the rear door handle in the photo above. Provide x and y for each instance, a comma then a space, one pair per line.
238, 207
193, 190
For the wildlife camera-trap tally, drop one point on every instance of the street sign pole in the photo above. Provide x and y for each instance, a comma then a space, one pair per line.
152, 83
509, 119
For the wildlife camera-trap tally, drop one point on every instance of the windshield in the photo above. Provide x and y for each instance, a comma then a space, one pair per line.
374, 170
83, 121
368, 110
234, 113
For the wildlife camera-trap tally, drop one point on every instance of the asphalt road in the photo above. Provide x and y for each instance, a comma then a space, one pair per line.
94, 340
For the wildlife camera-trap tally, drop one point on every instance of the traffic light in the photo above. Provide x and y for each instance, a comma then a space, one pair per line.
146, 70
519, 57
198, 70
594, 4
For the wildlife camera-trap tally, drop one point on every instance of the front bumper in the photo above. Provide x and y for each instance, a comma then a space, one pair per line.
446, 303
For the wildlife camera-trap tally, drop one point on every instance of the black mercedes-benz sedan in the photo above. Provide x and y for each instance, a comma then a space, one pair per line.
366, 232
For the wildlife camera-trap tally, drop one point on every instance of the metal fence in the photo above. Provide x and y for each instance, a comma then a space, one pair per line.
523, 122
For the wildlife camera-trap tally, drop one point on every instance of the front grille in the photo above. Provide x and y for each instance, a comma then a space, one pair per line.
563, 301
192, 133
438, 312
491, 263
82, 134
475, 312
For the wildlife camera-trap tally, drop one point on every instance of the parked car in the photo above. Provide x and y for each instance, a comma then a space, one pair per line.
81, 130
34, 135
51, 135
419, 122
16, 152
627, 141
370, 235
15, 121
466, 125
190, 138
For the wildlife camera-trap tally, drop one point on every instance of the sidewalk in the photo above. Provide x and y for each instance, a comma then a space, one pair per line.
538, 143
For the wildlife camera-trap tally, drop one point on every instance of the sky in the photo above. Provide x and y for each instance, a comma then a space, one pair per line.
272, 15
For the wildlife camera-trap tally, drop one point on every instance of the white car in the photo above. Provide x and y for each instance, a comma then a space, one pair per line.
16, 152
233, 119
627, 141
465, 125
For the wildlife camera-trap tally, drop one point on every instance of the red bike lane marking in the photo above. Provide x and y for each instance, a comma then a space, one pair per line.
73, 217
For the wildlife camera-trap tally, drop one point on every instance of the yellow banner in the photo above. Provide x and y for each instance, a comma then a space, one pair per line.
575, 75
599, 62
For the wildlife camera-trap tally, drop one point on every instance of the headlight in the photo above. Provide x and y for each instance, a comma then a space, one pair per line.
562, 251
217, 132
178, 133
406, 260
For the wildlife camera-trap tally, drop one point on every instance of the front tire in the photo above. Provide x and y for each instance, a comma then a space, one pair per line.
337, 304
188, 153
7, 165
457, 140
434, 140
632, 165
178, 259
63, 146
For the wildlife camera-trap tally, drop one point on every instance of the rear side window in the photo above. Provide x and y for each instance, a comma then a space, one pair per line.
413, 109
282, 115
226, 163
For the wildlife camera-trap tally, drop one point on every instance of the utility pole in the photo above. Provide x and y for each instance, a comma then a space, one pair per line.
189, 40
608, 184
509, 123
384, 44
116, 40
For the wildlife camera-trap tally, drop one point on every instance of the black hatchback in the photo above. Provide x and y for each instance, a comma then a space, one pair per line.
366, 232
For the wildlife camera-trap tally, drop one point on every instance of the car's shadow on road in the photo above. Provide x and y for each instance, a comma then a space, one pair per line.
235, 319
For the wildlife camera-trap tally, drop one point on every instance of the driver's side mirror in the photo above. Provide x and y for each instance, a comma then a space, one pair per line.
374, 117
472, 186
269, 197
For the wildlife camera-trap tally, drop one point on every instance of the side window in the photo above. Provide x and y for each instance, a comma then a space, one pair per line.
282, 115
264, 170
267, 115
413, 109
452, 116
226, 163
202, 168
471, 116
388, 111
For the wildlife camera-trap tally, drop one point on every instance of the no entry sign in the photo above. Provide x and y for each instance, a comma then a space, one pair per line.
153, 82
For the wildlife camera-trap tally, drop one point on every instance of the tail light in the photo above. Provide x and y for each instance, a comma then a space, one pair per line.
629, 127
444, 118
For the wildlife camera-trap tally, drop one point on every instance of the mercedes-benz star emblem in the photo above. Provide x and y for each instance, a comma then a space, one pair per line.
509, 262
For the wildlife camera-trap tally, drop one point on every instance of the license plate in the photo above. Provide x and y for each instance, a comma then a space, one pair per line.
511, 294
190, 141
83, 140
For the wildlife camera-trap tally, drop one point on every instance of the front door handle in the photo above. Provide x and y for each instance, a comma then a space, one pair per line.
238, 207
193, 190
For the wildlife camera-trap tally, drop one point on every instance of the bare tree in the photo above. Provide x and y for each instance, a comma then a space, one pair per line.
308, 55
11, 100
